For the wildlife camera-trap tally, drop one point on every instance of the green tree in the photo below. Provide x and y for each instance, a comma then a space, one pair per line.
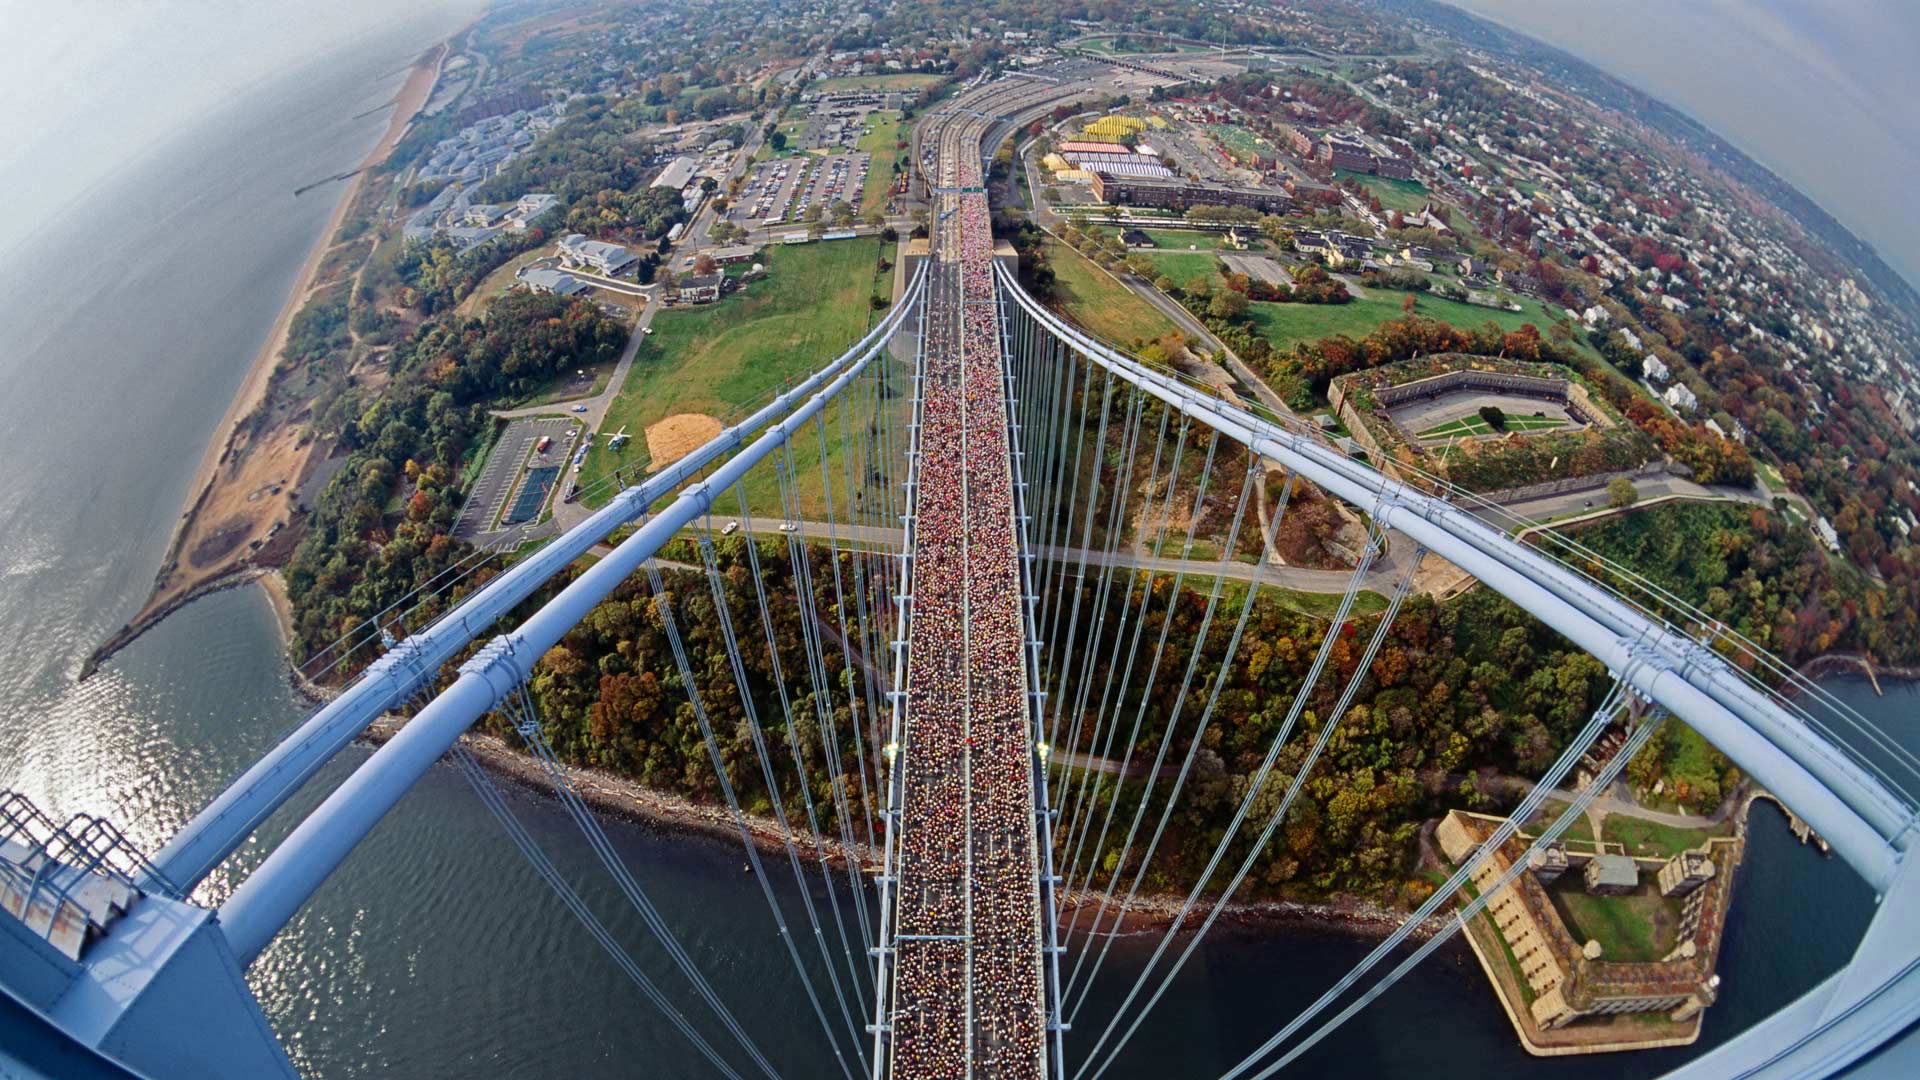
1621, 493
1227, 304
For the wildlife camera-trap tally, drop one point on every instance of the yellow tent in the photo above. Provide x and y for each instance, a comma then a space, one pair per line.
1111, 128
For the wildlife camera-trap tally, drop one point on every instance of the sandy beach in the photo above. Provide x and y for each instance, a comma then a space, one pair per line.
246, 488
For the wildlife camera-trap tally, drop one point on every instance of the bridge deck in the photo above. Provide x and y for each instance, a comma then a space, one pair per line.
970, 1004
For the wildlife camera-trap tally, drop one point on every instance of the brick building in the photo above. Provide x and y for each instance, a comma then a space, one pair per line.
1179, 194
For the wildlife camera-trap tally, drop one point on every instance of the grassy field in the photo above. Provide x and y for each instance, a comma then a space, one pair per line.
1489, 936
1473, 425
880, 143
722, 359
1636, 927
1106, 45
1775, 482
1092, 298
1288, 324
875, 82
1233, 594
1652, 839
1393, 194
1181, 240
499, 281
1184, 266
566, 386
1581, 828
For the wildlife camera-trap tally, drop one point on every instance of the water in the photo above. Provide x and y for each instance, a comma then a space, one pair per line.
124, 329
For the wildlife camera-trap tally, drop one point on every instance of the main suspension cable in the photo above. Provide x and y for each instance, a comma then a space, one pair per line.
1246, 805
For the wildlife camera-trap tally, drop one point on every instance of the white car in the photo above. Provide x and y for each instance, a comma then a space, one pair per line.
579, 408
788, 526
731, 528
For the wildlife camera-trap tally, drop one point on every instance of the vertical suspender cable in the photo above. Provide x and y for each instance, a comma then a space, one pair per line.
1186, 768
1186, 683
664, 607
1246, 803
520, 710
1096, 616
1279, 814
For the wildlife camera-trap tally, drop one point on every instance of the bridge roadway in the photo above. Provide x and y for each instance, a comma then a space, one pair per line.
967, 994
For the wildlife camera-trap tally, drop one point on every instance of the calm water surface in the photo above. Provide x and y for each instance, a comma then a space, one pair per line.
124, 330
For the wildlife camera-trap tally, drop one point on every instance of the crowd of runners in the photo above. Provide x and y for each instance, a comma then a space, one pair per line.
967, 992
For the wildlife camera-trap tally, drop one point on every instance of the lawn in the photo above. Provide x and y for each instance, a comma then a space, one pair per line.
875, 82
1775, 482
1637, 927
1651, 839
1106, 45
1319, 605
1473, 425
1288, 324
725, 359
1184, 266
566, 386
1580, 828
1182, 240
1094, 299
880, 143
1393, 194
499, 281
1483, 929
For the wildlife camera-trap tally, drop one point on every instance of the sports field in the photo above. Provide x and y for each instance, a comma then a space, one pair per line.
725, 359
1393, 194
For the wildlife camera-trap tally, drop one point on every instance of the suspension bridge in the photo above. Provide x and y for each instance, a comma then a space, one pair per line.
970, 472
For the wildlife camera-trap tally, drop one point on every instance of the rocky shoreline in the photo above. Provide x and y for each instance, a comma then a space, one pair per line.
667, 812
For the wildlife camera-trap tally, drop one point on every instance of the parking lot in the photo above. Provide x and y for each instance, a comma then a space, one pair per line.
779, 191
512, 456
1257, 267
763, 199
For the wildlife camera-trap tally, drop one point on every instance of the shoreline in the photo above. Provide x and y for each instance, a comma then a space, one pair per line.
1849, 663
666, 812
224, 445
